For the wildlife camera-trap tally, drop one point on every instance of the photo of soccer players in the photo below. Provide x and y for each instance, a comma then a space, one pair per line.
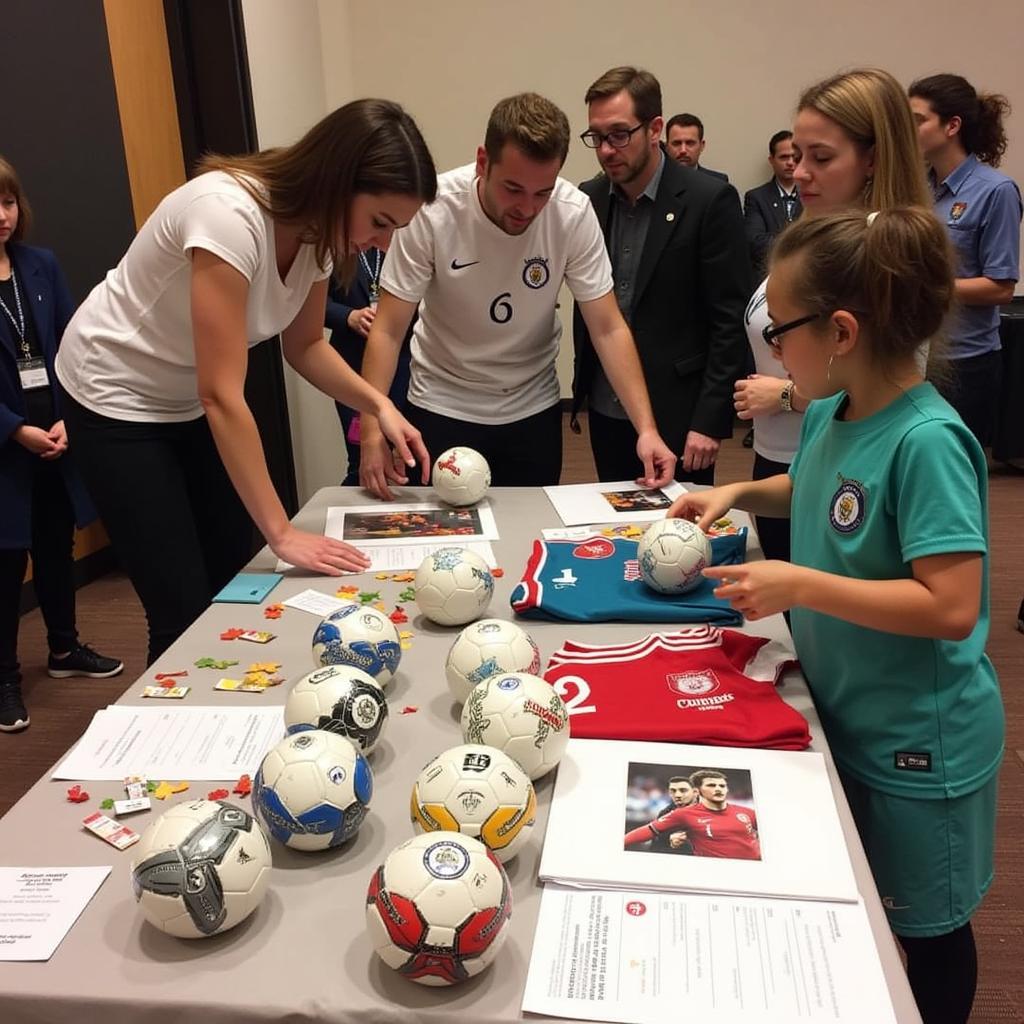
637, 501
708, 812
440, 522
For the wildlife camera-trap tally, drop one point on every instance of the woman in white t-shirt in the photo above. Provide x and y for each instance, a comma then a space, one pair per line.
856, 145
154, 361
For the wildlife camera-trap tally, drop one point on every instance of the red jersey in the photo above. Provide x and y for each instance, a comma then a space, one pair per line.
702, 685
730, 832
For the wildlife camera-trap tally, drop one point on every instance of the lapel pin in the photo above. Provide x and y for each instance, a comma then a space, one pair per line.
670, 216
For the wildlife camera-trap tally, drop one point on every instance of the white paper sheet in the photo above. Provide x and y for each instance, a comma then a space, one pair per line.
182, 743
38, 907
621, 501
401, 557
479, 520
316, 602
786, 798
650, 957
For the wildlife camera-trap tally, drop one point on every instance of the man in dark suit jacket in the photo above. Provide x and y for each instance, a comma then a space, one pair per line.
682, 280
685, 142
768, 208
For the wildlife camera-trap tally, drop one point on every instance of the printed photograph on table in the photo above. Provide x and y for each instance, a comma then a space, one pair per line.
637, 501
441, 522
690, 810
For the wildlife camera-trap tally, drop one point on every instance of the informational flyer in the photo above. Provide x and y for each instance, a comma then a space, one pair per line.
186, 743
649, 957
622, 501
367, 526
38, 907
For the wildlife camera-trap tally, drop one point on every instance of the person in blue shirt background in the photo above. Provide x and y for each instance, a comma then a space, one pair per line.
349, 316
888, 586
962, 139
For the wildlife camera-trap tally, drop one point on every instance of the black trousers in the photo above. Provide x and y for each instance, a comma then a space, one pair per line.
774, 533
973, 390
179, 529
613, 442
524, 453
53, 534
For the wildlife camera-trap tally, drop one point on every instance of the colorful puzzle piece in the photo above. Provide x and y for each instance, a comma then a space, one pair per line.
263, 666
409, 594
497, 573
409, 709
398, 616
166, 789
108, 804
244, 786
218, 794
404, 577
347, 590
232, 634
273, 611
368, 596
170, 675
77, 795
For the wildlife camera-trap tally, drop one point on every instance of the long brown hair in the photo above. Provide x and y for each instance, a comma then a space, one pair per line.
367, 146
10, 185
981, 114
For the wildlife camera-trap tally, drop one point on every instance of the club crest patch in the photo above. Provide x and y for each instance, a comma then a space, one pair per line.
693, 684
956, 211
848, 505
536, 273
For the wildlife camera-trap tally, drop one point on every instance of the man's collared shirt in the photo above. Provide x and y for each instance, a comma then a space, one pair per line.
630, 223
982, 210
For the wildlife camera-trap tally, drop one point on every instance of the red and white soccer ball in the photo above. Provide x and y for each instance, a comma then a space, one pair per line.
480, 792
673, 554
453, 586
521, 715
437, 909
484, 649
461, 476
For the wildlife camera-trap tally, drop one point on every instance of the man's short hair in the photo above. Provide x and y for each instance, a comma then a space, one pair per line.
686, 121
641, 85
777, 138
679, 778
697, 779
531, 123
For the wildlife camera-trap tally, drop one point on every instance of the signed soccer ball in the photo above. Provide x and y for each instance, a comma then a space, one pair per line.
485, 648
520, 714
312, 790
480, 792
361, 637
200, 868
672, 554
461, 476
453, 586
341, 700
437, 909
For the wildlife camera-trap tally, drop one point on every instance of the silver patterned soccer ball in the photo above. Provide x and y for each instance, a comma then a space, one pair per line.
453, 586
338, 699
673, 554
485, 648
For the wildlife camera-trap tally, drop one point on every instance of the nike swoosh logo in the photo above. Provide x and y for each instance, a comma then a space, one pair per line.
462, 266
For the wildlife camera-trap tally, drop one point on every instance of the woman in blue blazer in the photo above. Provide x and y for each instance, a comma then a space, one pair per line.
42, 495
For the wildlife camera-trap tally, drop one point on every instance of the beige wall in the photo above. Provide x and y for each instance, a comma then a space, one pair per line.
739, 64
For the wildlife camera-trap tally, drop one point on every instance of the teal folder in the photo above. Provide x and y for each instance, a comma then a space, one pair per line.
248, 587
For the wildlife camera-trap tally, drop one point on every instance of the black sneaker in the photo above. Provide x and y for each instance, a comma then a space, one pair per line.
83, 661
13, 713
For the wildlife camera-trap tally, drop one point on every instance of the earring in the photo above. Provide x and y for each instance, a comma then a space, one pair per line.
828, 370
868, 187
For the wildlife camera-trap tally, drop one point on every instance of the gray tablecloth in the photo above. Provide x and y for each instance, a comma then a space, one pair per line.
304, 955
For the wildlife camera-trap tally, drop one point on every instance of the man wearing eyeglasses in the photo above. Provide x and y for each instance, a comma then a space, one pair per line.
485, 262
682, 276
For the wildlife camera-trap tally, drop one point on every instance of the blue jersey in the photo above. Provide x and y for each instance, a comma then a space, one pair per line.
598, 580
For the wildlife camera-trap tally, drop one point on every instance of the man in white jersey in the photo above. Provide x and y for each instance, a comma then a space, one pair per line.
485, 262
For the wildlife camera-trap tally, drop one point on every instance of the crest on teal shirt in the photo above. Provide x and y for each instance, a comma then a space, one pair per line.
847, 507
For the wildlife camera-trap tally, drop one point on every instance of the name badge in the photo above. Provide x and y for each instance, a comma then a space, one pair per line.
33, 374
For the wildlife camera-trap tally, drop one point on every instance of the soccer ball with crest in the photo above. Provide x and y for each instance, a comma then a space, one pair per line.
485, 648
480, 792
338, 699
312, 790
673, 554
360, 637
201, 868
520, 714
453, 586
437, 909
461, 476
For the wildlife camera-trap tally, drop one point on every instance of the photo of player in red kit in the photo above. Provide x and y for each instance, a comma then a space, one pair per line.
712, 826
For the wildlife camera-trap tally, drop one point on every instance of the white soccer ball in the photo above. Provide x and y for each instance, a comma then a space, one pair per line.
200, 868
485, 648
672, 554
361, 637
338, 699
453, 586
312, 790
520, 714
461, 476
480, 792
437, 909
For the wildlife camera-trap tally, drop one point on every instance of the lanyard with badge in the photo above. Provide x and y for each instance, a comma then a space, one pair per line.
31, 371
373, 275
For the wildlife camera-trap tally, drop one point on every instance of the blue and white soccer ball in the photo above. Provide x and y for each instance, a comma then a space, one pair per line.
360, 637
312, 790
200, 868
338, 699
453, 586
673, 554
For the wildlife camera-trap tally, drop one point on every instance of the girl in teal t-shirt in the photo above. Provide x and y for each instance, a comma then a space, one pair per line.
888, 584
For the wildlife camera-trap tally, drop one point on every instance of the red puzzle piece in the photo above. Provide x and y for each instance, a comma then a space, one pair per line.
243, 786
77, 795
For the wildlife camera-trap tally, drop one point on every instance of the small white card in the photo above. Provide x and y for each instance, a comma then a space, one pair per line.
315, 602
39, 906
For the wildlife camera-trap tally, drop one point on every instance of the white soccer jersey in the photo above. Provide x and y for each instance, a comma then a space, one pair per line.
485, 343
